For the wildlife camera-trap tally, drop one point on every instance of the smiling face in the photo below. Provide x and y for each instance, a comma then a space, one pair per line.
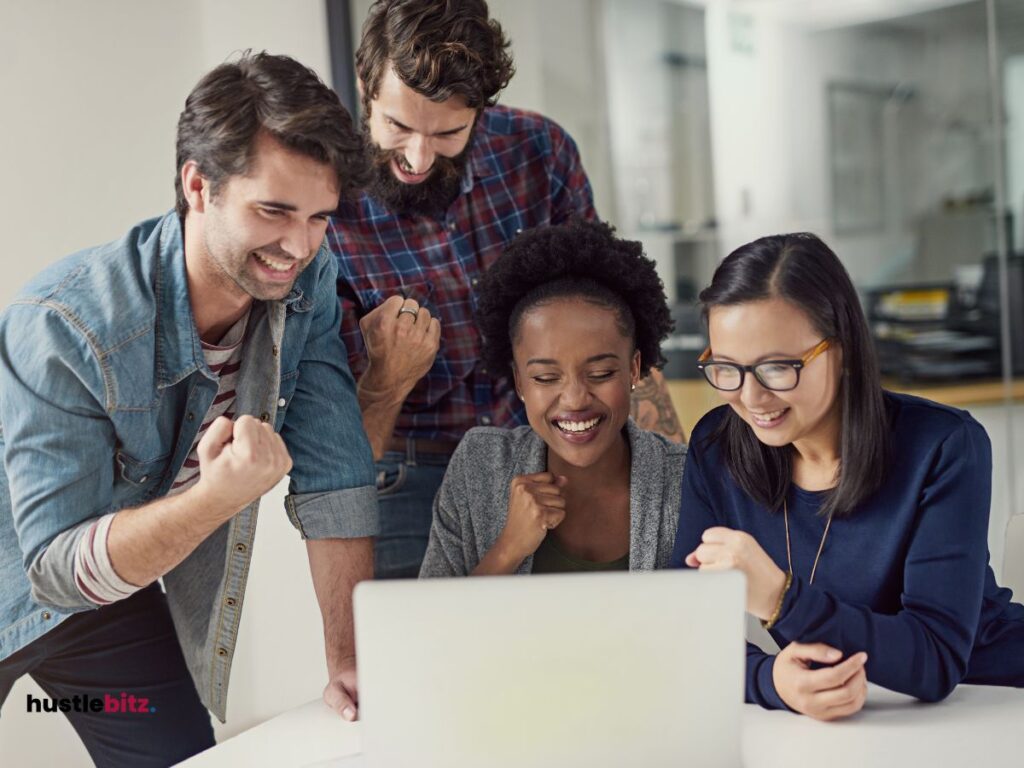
416, 129
419, 147
775, 329
574, 369
263, 228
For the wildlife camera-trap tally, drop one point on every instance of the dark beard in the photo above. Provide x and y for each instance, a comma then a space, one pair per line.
430, 197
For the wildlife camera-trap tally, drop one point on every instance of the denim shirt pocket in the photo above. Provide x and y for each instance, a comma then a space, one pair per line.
142, 477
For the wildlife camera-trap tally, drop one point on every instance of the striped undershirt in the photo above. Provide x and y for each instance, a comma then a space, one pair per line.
95, 576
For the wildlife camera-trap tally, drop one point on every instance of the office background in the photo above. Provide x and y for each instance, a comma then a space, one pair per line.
701, 124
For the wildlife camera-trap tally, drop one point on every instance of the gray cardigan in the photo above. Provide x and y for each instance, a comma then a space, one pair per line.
472, 504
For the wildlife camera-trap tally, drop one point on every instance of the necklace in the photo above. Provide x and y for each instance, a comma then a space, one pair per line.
821, 546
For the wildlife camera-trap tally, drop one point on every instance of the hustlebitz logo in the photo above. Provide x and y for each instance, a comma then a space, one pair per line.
123, 704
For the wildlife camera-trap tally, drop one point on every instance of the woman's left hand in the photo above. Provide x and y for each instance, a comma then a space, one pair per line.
724, 549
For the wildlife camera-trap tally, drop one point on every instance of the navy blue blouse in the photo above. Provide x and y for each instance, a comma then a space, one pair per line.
905, 577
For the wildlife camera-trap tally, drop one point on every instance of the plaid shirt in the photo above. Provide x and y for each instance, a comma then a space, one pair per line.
523, 171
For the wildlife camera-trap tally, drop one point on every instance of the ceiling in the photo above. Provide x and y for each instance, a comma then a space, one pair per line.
911, 15
824, 14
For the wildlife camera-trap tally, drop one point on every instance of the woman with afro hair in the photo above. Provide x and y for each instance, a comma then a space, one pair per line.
576, 317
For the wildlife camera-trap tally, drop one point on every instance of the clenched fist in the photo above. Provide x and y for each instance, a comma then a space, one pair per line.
401, 341
535, 506
238, 462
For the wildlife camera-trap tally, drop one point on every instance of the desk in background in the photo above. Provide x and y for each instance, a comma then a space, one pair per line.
695, 397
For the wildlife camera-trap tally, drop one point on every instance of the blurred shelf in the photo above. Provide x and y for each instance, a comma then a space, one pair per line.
980, 392
695, 397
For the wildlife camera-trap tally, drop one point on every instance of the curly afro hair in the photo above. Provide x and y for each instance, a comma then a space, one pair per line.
581, 259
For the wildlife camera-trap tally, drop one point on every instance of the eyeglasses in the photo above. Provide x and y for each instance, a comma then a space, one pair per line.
776, 375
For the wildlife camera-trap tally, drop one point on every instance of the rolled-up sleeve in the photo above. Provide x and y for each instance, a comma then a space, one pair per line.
347, 514
332, 491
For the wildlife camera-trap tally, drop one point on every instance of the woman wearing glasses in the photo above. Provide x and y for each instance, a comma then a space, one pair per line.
576, 317
859, 516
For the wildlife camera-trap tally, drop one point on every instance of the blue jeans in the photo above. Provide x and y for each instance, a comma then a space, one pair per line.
125, 649
406, 486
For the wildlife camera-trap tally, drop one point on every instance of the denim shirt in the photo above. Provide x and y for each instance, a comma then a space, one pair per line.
103, 388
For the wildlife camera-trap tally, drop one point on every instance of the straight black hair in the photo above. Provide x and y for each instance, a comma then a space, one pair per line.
802, 270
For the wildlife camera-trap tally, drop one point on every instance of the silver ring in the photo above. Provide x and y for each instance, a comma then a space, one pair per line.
407, 311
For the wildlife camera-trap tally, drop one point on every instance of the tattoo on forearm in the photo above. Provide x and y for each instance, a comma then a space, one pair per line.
652, 408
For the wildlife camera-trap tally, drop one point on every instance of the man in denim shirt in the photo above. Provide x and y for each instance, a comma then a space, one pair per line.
151, 391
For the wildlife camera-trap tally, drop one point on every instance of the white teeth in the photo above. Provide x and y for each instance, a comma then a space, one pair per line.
407, 168
769, 416
277, 266
577, 426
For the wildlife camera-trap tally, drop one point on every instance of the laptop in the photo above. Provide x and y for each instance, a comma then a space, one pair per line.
637, 669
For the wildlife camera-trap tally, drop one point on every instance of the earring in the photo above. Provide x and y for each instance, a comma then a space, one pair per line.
632, 387
521, 397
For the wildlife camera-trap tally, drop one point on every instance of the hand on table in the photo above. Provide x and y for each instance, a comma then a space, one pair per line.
827, 693
341, 693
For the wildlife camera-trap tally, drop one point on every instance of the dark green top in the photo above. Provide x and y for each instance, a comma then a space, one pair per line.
550, 559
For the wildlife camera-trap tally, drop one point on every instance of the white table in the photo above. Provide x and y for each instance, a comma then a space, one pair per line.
975, 726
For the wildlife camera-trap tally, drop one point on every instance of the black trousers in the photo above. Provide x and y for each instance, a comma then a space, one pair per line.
125, 657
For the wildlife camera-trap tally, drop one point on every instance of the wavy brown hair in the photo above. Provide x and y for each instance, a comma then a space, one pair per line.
276, 95
439, 48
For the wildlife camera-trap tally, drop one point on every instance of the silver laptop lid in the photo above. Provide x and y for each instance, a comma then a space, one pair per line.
638, 669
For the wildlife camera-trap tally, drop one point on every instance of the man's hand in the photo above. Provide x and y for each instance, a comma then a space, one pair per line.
401, 341
238, 462
341, 693
828, 693
725, 549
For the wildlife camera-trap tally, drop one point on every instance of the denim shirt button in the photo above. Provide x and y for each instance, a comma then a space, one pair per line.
222, 651
240, 547
190, 416
230, 602
282, 403
264, 417
46, 615
273, 350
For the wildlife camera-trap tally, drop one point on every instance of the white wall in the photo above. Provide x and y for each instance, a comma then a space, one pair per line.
1013, 99
89, 100
90, 95
769, 114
